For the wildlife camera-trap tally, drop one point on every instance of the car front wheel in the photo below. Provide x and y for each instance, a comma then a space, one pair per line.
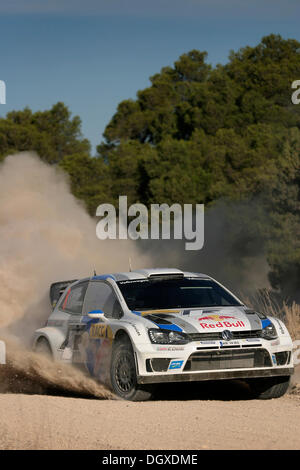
269, 387
123, 374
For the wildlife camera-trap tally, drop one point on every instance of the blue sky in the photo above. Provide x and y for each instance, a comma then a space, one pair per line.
95, 53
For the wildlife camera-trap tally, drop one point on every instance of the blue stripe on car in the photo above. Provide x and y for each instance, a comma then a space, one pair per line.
169, 327
136, 312
265, 323
165, 326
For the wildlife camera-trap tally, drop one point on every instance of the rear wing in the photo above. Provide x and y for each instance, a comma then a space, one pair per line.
57, 289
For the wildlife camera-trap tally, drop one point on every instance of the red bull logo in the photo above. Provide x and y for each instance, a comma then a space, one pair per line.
217, 317
220, 321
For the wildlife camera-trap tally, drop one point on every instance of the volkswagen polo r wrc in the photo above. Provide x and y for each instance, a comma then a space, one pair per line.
135, 329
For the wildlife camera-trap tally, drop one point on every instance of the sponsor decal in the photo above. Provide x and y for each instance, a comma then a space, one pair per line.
170, 348
135, 328
222, 324
220, 321
228, 343
99, 330
274, 359
131, 324
175, 365
217, 317
207, 342
95, 348
279, 325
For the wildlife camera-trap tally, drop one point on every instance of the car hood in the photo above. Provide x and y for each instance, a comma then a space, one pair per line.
204, 320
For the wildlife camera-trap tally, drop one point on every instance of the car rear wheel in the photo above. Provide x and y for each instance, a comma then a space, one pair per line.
43, 347
123, 374
269, 387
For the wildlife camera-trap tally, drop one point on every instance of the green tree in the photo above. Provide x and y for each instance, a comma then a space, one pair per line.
53, 134
89, 179
201, 134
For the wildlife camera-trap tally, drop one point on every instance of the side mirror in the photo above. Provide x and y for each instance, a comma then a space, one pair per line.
96, 314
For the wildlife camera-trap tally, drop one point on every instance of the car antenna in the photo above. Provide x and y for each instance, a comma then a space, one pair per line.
129, 261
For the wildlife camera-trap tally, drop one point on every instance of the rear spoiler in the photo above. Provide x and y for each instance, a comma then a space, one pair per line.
57, 289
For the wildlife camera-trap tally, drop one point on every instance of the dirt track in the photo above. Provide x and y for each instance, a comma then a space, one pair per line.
53, 422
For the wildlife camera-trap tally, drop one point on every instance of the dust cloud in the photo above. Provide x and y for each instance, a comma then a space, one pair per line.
46, 235
28, 372
233, 251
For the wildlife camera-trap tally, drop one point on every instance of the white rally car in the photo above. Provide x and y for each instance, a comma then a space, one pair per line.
136, 329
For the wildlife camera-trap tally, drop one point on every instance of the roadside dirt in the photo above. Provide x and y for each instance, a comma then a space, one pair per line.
183, 418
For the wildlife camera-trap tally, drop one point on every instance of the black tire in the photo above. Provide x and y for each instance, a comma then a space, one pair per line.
123, 374
43, 347
269, 387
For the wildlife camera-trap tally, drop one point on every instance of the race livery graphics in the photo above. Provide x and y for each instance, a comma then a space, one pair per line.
220, 321
137, 329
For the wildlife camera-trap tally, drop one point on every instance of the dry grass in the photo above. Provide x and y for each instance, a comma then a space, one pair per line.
292, 319
289, 314
265, 303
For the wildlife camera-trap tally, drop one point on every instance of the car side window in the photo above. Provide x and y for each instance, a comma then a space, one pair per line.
101, 296
74, 298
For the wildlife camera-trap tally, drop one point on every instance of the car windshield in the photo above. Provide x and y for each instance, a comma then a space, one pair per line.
148, 294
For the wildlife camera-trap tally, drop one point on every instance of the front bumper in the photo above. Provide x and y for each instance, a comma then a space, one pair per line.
216, 375
215, 360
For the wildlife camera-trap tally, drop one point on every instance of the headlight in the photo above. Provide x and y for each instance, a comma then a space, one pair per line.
269, 331
167, 336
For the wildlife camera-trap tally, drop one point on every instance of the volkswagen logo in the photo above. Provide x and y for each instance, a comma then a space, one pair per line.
227, 335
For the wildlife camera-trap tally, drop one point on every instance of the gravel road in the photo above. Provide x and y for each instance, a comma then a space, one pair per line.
228, 421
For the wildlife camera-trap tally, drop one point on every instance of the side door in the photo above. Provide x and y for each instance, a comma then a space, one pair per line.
72, 305
96, 345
